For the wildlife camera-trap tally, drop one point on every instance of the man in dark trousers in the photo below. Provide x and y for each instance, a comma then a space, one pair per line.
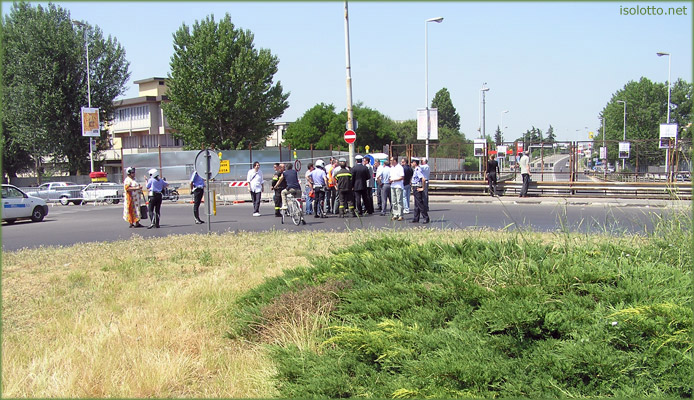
278, 186
407, 187
344, 188
360, 176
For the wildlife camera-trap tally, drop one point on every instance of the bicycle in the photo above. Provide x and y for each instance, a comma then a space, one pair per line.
293, 210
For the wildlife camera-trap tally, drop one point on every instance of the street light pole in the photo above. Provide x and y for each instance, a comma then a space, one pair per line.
667, 150
482, 120
438, 20
502, 134
624, 138
350, 115
89, 89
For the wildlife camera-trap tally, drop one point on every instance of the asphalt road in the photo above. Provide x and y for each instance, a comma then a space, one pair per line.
67, 225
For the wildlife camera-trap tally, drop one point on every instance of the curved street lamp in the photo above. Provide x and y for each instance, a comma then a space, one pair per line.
438, 20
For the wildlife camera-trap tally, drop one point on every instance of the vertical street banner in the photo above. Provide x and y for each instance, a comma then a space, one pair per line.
90, 122
668, 135
501, 151
624, 148
479, 147
433, 124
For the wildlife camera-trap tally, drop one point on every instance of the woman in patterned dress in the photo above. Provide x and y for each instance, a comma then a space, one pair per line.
131, 207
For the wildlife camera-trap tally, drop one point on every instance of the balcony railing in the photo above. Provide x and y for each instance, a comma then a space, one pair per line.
150, 141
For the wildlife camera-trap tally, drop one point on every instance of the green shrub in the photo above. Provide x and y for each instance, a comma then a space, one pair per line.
513, 317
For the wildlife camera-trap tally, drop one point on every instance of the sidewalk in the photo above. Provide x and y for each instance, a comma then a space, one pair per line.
569, 201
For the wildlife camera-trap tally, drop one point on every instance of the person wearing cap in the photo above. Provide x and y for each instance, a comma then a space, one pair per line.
307, 190
360, 179
155, 186
133, 192
524, 164
418, 183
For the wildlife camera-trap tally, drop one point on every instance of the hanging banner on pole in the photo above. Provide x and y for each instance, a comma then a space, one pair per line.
603, 152
422, 124
501, 151
624, 148
668, 135
479, 147
90, 122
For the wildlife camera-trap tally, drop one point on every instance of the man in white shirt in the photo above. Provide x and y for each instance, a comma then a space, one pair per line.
255, 186
397, 175
524, 164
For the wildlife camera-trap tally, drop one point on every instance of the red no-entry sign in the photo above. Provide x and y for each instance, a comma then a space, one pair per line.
350, 137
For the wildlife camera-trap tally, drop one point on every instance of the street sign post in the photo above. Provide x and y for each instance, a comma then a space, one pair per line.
207, 166
350, 136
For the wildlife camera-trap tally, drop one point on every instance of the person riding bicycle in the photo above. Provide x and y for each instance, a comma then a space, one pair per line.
292, 179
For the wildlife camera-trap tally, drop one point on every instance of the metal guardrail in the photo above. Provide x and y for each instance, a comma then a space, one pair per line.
653, 190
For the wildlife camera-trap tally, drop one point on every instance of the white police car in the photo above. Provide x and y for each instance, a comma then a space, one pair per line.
18, 205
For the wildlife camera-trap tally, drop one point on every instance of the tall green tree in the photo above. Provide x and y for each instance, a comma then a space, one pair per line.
551, 137
405, 131
221, 87
45, 79
448, 116
646, 110
497, 136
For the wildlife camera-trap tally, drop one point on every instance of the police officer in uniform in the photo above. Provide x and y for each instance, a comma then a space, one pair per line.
155, 185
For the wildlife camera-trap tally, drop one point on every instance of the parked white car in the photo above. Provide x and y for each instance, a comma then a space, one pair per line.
106, 192
18, 205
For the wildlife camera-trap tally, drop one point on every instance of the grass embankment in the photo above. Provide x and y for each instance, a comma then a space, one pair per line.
513, 316
449, 313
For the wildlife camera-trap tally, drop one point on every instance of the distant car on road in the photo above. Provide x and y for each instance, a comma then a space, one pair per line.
64, 192
107, 192
19, 205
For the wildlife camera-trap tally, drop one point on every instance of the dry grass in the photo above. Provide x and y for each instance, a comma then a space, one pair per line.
147, 318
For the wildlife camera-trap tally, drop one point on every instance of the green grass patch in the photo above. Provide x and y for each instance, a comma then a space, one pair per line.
515, 317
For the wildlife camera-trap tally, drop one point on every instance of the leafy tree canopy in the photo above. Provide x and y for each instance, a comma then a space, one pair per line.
448, 117
321, 127
221, 87
646, 109
45, 83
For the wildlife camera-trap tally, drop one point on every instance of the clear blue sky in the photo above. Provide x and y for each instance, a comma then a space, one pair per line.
547, 63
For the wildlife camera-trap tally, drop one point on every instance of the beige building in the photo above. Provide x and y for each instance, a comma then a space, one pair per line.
139, 125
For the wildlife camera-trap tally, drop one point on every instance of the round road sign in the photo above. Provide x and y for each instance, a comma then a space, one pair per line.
350, 137
201, 163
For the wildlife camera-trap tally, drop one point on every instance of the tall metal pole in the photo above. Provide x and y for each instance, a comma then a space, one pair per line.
667, 150
89, 88
350, 115
604, 162
426, 82
438, 20
624, 136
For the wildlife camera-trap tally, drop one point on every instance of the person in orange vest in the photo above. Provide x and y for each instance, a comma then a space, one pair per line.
331, 193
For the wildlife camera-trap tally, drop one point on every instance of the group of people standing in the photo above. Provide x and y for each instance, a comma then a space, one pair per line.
493, 172
335, 189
